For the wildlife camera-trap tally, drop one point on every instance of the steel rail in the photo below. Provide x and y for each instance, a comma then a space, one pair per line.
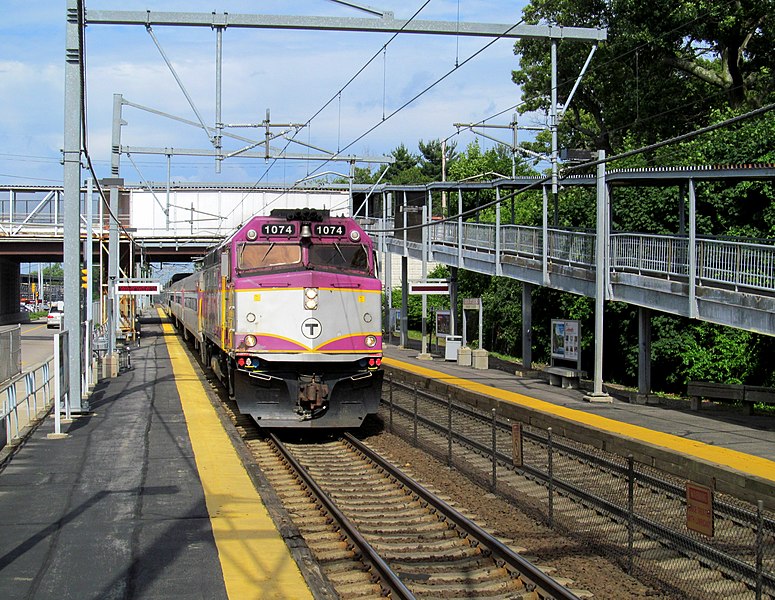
389, 577
527, 570
721, 507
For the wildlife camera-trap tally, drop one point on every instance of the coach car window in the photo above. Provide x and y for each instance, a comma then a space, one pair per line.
339, 256
263, 256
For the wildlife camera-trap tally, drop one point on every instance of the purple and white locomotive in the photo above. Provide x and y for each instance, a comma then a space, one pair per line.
287, 312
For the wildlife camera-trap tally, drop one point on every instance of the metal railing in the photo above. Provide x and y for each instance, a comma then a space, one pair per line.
748, 264
24, 396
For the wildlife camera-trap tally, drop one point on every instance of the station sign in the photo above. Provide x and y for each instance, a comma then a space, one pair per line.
429, 287
472, 303
138, 288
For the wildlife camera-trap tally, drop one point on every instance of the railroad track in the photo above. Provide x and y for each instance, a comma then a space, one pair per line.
590, 497
374, 531
419, 545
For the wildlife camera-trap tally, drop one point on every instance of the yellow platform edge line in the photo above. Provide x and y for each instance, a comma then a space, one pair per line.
746, 463
255, 561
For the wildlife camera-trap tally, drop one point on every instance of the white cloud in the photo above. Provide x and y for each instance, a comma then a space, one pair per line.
292, 73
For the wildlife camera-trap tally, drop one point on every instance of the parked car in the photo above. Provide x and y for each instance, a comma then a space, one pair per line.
55, 315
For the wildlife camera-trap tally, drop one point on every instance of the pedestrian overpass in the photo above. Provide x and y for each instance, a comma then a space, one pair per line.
720, 280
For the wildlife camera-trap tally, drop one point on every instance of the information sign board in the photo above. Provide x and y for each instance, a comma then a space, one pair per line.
429, 287
566, 337
443, 323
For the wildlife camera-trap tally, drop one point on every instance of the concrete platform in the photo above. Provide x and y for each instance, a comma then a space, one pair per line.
130, 504
729, 450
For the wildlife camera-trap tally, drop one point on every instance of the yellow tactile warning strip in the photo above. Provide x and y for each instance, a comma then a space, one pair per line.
746, 463
255, 561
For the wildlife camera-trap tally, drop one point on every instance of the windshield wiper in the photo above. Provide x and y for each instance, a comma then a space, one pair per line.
268, 250
344, 260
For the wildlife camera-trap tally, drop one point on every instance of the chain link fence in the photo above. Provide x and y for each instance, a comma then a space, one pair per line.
669, 531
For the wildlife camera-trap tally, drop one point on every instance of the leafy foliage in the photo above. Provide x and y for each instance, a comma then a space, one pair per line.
667, 68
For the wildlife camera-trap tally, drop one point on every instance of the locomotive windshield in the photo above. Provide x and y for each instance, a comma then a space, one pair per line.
266, 256
339, 256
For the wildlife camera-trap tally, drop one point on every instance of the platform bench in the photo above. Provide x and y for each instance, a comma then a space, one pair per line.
564, 376
748, 395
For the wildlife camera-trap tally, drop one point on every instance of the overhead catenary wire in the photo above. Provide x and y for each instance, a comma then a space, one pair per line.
325, 105
382, 49
425, 90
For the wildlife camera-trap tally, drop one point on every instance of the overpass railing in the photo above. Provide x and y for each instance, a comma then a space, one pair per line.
749, 264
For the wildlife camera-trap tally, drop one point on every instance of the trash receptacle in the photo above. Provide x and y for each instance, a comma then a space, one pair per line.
453, 344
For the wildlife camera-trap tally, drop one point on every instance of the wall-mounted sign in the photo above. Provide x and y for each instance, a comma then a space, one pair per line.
699, 508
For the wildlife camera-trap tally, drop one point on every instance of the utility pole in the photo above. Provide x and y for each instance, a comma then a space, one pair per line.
72, 205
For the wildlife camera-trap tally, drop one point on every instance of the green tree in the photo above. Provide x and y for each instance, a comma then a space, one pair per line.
431, 158
54, 270
665, 66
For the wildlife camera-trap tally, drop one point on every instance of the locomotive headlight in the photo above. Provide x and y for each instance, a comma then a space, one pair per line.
355, 236
250, 341
370, 341
311, 298
252, 235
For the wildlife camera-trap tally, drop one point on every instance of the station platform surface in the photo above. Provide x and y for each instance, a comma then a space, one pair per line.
146, 497
722, 436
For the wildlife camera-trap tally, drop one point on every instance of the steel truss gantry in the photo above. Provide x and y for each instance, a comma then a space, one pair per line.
378, 22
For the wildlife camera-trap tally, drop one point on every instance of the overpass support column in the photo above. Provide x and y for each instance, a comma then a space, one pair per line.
644, 358
404, 343
10, 291
453, 301
527, 326
601, 272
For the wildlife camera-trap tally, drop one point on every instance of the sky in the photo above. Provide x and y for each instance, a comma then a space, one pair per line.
290, 73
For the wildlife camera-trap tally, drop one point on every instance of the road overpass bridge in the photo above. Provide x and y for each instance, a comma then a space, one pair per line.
158, 224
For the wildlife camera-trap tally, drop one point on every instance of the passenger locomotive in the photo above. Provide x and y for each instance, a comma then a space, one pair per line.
287, 312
